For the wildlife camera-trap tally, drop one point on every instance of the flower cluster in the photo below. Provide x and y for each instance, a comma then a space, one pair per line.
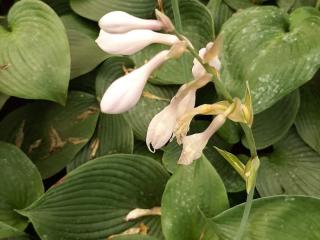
124, 34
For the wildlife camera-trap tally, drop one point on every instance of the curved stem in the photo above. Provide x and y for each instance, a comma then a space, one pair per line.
245, 216
246, 129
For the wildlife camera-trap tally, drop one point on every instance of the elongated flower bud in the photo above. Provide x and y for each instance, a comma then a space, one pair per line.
121, 22
126, 91
131, 42
161, 127
193, 145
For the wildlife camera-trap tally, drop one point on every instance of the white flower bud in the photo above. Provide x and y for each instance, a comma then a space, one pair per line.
193, 145
126, 91
121, 22
133, 41
162, 125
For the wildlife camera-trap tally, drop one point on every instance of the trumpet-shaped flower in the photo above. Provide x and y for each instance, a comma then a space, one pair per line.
161, 127
193, 145
126, 91
133, 41
121, 22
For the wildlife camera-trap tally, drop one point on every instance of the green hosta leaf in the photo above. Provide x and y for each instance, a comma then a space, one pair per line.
220, 12
272, 124
85, 53
230, 132
301, 3
94, 199
135, 237
112, 135
20, 185
198, 26
286, 4
275, 52
35, 52
191, 190
308, 118
59, 6
293, 168
140, 148
84, 83
7, 231
273, 218
51, 135
240, 4
95, 9
3, 99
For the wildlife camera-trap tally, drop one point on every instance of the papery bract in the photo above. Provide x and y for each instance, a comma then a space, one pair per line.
121, 22
126, 91
133, 41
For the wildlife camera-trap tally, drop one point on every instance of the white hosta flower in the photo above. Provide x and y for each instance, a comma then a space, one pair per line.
193, 145
198, 70
126, 91
161, 127
121, 22
133, 41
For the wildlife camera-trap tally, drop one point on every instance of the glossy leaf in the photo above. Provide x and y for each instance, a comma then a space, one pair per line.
191, 190
3, 99
258, 39
20, 185
95, 9
85, 53
35, 56
112, 135
198, 26
8, 232
272, 124
308, 118
59, 6
292, 168
239, 4
220, 12
273, 218
53, 137
94, 199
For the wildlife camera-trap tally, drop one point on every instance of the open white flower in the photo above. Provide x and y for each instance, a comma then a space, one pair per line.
121, 22
161, 127
126, 91
133, 41
193, 145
